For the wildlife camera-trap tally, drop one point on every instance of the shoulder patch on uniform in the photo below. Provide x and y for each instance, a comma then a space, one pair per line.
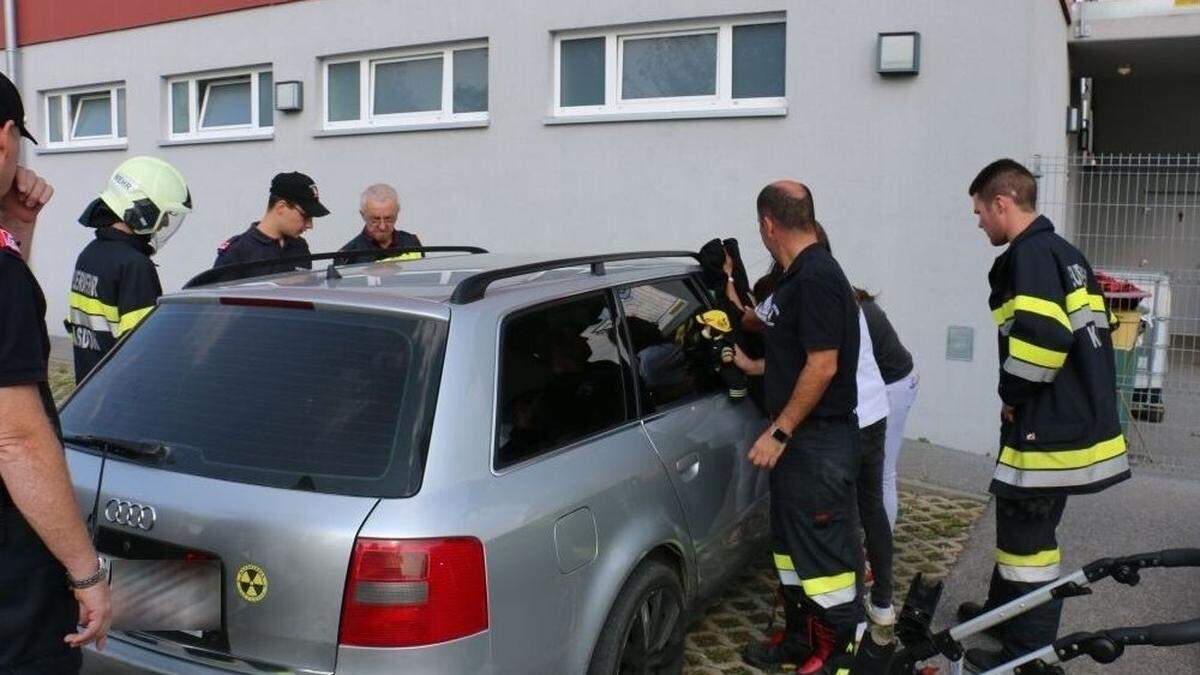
225, 244
9, 242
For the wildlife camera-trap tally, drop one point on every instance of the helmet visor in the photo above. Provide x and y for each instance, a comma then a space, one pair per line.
168, 225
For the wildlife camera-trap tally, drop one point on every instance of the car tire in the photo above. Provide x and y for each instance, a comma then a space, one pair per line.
652, 597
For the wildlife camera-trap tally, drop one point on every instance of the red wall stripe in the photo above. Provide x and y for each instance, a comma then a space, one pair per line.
49, 20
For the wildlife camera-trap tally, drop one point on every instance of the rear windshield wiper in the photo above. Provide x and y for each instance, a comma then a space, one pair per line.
152, 450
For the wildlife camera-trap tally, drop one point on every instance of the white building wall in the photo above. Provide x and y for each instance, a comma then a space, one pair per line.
888, 160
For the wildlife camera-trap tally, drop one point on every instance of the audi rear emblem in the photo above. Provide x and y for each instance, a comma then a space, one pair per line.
130, 514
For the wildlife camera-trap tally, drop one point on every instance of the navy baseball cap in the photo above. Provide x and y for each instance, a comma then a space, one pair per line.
300, 190
11, 107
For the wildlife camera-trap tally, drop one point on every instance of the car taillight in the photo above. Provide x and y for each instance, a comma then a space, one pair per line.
411, 592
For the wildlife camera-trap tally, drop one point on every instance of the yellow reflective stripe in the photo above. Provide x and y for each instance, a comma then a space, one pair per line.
1003, 312
783, 562
130, 320
402, 256
1040, 559
1038, 356
1063, 459
1077, 299
83, 303
1046, 308
823, 585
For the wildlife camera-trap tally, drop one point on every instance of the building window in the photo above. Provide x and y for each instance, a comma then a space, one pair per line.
83, 117
719, 65
399, 88
236, 103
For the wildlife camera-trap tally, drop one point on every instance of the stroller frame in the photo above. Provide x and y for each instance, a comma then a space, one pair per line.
1103, 646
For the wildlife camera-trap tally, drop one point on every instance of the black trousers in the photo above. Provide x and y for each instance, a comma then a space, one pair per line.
37, 610
814, 534
872, 513
1027, 557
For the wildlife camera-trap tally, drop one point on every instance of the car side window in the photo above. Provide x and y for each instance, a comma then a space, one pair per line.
561, 378
662, 327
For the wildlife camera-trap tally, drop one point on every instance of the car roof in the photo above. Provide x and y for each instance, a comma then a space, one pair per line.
426, 285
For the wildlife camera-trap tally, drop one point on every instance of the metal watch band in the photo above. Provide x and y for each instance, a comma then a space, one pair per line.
96, 578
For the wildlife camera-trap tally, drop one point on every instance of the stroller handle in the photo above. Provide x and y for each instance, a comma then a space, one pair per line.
1180, 557
1159, 634
1106, 646
1125, 569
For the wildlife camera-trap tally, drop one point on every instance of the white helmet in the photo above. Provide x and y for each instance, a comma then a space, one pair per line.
149, 196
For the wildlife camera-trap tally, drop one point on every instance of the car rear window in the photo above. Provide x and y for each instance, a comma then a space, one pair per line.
320, 400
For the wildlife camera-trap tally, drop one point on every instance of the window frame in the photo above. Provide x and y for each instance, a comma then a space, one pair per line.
206, 96
614, 41
691, 281
196, 108
69, 117
367, 66
629, 390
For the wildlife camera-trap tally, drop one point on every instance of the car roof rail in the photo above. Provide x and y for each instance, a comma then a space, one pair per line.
244, 270
473, 287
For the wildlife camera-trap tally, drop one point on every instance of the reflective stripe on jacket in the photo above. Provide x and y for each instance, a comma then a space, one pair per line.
1056, 370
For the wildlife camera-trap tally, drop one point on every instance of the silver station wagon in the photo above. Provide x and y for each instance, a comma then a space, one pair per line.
461, 464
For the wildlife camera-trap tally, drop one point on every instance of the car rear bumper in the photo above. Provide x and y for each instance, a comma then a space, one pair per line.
468, 655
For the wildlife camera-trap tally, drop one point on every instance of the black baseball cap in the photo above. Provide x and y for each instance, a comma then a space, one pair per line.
301, 191
11, 107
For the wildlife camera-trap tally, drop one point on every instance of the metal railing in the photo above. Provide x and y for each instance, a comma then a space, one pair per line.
1137, 217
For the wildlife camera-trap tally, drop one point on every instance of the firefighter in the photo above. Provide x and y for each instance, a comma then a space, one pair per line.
811, 446
291, 206
1060, 434
115, 284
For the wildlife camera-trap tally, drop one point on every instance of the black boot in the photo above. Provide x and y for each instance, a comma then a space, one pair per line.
788, 648
781, 652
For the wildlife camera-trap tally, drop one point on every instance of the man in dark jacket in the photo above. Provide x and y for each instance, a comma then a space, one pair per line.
115, 284
1060, 433
51, 580
291, 206
380, 211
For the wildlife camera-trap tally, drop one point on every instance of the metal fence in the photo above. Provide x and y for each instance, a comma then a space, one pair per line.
1137, 217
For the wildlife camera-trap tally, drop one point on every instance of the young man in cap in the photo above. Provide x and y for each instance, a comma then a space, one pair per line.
50, 576
291, 207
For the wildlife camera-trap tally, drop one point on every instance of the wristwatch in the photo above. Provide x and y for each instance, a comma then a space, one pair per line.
781, 436
100, 575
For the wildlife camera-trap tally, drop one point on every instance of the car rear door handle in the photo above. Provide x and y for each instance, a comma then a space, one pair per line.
688, 466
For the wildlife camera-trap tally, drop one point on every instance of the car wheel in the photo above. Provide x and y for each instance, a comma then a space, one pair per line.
644, 632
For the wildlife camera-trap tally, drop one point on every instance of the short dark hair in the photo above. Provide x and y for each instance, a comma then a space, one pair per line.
1009, 178
793, 211
275, 199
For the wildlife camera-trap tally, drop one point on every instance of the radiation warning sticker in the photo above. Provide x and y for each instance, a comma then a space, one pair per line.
251, 582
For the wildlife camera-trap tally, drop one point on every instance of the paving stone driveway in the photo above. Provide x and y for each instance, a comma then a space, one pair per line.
929, 536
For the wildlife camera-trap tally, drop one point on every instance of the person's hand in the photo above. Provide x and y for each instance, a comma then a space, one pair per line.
95, 615
743, 362
766, 451
727, 266
1007, 412
25, 199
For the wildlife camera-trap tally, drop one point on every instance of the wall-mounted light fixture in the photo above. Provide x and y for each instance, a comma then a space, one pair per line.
289, 96
898, 53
